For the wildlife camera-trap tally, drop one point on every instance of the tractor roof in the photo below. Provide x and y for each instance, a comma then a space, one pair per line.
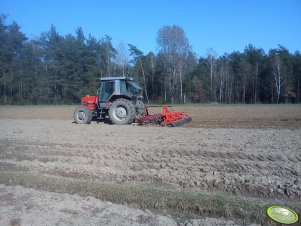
116, 78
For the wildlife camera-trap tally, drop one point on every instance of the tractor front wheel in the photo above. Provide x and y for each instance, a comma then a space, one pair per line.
122, 112
82, 115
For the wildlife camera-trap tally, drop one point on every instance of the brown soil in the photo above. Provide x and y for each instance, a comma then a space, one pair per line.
245, 116
251, 151
203, 116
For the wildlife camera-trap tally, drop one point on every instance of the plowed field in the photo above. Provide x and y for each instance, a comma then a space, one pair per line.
249, 152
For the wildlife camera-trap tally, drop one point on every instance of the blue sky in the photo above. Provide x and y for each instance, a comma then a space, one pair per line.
224, 25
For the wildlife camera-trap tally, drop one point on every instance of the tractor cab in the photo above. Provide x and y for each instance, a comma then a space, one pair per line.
112, 88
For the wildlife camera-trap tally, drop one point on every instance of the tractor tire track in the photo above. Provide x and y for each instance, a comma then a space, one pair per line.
203, 169
228, 160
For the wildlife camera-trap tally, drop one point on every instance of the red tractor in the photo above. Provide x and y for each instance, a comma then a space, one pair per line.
120, 100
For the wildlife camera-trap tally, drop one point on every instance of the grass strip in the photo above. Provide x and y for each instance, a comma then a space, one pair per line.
181, 203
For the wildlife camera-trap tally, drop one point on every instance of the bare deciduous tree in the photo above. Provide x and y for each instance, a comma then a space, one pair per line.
174, 48
212, 63
278, 74
122, 57
152, 62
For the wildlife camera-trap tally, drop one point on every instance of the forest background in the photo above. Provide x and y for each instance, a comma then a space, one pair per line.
60, 69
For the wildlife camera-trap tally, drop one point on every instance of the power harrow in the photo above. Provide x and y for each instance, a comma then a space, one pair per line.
166, 118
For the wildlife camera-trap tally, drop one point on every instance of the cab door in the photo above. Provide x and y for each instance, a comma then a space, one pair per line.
107, 89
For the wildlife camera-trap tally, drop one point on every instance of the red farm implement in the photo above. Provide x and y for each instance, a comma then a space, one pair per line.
166, 118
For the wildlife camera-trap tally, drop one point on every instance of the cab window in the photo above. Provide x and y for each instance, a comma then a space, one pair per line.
107, 89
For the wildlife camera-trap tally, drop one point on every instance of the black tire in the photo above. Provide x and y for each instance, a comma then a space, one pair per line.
139, 107
122, 112
82, 115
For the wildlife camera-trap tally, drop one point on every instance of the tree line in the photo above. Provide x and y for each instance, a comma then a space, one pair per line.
56, 69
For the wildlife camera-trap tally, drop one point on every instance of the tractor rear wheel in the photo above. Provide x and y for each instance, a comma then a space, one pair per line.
122, 112
139, 107
82, 115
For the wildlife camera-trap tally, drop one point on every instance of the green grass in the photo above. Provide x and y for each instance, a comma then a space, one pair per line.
179, 203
